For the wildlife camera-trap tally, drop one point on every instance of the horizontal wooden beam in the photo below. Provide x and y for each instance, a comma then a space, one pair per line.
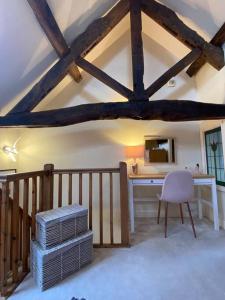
218, 40
49, 25
168, 19
44, 86
99, 29
177, 68
105, 78
166, 110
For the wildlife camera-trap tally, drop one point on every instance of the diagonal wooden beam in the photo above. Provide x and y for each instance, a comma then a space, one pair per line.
49, 25
105, 78
218, 40
166, 110
177, 68
137, 50
44, 86
99, 29
167, 18
81, 46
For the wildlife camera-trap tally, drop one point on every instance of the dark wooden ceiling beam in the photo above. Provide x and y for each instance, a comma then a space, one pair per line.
218, 40
166, 110
99, 29
105, 78
168, 19
137, 50
49, 25
44, 86
173, 71
81, 46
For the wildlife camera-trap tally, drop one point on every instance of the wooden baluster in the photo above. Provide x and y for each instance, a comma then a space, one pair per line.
4, 204
60, 191
20, 234
34, 206
26, 236
111, 207
80, 189
70, 191
101, 209
124, 210
11, 231
41, 190
15, 230
90, 201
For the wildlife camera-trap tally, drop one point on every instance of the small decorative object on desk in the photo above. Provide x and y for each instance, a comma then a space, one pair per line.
63, 244
61, 224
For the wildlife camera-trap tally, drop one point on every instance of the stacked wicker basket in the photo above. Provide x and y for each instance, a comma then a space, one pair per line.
63, 244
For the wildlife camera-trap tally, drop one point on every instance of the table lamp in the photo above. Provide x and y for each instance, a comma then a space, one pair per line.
134, 152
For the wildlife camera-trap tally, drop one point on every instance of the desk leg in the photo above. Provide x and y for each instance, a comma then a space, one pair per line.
215, 205
200, 215
131, 205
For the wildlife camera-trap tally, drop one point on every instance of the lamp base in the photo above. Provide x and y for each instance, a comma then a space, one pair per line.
135, 169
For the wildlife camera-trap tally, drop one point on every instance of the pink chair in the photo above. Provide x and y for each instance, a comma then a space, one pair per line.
177, 188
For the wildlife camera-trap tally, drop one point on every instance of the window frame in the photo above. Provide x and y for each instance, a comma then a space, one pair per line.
217, 129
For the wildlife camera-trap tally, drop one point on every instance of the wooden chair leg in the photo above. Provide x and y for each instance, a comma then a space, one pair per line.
181, 213
166, 216
192, 223
159, 208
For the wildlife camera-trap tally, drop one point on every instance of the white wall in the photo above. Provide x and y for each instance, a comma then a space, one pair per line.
211, 88
7, 138
101, 144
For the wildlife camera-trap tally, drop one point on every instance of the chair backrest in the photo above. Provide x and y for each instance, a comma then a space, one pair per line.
178, 187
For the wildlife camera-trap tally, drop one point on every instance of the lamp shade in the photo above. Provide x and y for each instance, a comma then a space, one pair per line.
134, 151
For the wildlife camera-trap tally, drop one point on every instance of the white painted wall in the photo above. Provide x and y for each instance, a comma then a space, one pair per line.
100, 144
211, 88
7, 138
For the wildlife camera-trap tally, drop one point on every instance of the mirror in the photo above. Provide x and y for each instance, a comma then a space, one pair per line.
159, 150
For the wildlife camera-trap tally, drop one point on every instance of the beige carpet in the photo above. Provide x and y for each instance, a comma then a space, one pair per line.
154, 268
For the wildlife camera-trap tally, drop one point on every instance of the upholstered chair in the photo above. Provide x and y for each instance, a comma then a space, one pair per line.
177, 188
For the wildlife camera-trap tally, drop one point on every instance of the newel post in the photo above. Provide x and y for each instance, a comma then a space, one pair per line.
4, 208
48, 186
124, 209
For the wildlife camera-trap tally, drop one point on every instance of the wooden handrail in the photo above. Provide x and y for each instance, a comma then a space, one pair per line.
94, 170
20, 176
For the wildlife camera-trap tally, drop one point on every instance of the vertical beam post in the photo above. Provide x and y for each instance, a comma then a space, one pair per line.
137, 50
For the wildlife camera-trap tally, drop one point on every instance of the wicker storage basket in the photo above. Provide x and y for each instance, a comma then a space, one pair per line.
51, 266
61, 224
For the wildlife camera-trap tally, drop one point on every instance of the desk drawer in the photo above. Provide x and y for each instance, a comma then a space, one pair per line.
147, 181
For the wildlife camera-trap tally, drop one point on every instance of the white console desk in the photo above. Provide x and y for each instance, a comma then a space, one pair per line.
158, 179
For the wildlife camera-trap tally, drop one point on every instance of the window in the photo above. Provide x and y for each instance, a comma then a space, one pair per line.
214, 155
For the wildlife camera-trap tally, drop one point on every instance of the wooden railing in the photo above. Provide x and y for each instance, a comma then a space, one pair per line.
22, 195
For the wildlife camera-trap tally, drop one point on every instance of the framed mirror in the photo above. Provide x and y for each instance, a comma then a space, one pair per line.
159, 150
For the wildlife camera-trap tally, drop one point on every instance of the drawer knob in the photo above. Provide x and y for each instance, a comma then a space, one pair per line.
152, 181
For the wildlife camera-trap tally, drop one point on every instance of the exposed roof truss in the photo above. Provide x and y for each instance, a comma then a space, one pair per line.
138, 105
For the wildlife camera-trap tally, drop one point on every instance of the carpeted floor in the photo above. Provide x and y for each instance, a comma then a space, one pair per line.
154, 268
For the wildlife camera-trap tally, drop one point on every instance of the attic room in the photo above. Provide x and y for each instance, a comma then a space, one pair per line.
112, 141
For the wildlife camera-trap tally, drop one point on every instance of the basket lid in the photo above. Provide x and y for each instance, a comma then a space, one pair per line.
60, 213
